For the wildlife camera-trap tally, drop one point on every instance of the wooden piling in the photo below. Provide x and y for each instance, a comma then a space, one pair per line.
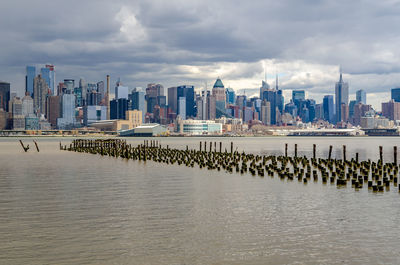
37, 147
330, 152
314, 151
344, 152
231, 147
395, 155
295, 150
286, 147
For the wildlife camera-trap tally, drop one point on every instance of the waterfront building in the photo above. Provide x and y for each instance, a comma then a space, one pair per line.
329, 108
29, 79
31, 122
198, 127
341, 97
391, 110
4, 95
3, 119
133, 120
17, 116
94, 113
40, 92
361, 96
344, 112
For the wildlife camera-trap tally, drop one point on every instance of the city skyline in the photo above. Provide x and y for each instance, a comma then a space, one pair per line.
192, 42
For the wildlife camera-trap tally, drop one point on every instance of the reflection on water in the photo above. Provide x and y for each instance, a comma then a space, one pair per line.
71, 208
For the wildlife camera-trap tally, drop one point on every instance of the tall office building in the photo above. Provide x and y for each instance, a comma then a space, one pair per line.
329, 108
29, 79
182, 108
69, 85
266, 112
391, 110
264, 87
4, 95
40, 92
351, 108
67, 119
48, 74
138, 101
152, 91
81, 96
341, 97
361, 97
17, 116
230, 96
173, 99
53, 109
396, 94
101, 89
121, 91
27, 105
218, 91
188, 93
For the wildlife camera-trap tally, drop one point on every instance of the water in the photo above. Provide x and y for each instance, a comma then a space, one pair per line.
59, 207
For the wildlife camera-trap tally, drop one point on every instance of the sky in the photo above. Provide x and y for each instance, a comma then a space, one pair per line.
176, 42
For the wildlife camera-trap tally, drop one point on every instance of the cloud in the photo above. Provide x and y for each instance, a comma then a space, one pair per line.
174, 42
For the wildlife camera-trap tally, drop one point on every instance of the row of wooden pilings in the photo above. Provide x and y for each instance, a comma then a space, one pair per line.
377, 176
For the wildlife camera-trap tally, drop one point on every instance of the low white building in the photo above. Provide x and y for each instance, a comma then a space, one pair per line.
198, 127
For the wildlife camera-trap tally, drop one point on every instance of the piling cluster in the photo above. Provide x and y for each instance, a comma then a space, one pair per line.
376, 176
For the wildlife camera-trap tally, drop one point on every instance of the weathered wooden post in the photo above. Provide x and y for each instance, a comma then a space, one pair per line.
220, 147
395, 155
200, 146
295, 150
381, 154
314, 150
231, 147
344, 152
330, 152
286, 146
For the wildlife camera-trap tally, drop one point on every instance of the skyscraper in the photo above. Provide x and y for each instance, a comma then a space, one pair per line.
230, 96
396, 94
29, 79
188, 93
361, 96
341, 97
138, 101
173, 99
182, 108
329, 108
218, 91
27, 105
40, 92
4, 95
121, 91
17, 116
48, 75
391, 110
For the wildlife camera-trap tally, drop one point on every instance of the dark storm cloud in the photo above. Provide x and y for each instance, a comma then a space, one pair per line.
191, 41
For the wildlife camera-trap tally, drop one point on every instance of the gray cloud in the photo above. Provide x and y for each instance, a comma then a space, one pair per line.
195, 41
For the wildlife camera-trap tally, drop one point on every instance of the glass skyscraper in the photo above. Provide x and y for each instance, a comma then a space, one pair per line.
342, 97
396, 94
328, 107
361, 97
188, 93
29, 79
